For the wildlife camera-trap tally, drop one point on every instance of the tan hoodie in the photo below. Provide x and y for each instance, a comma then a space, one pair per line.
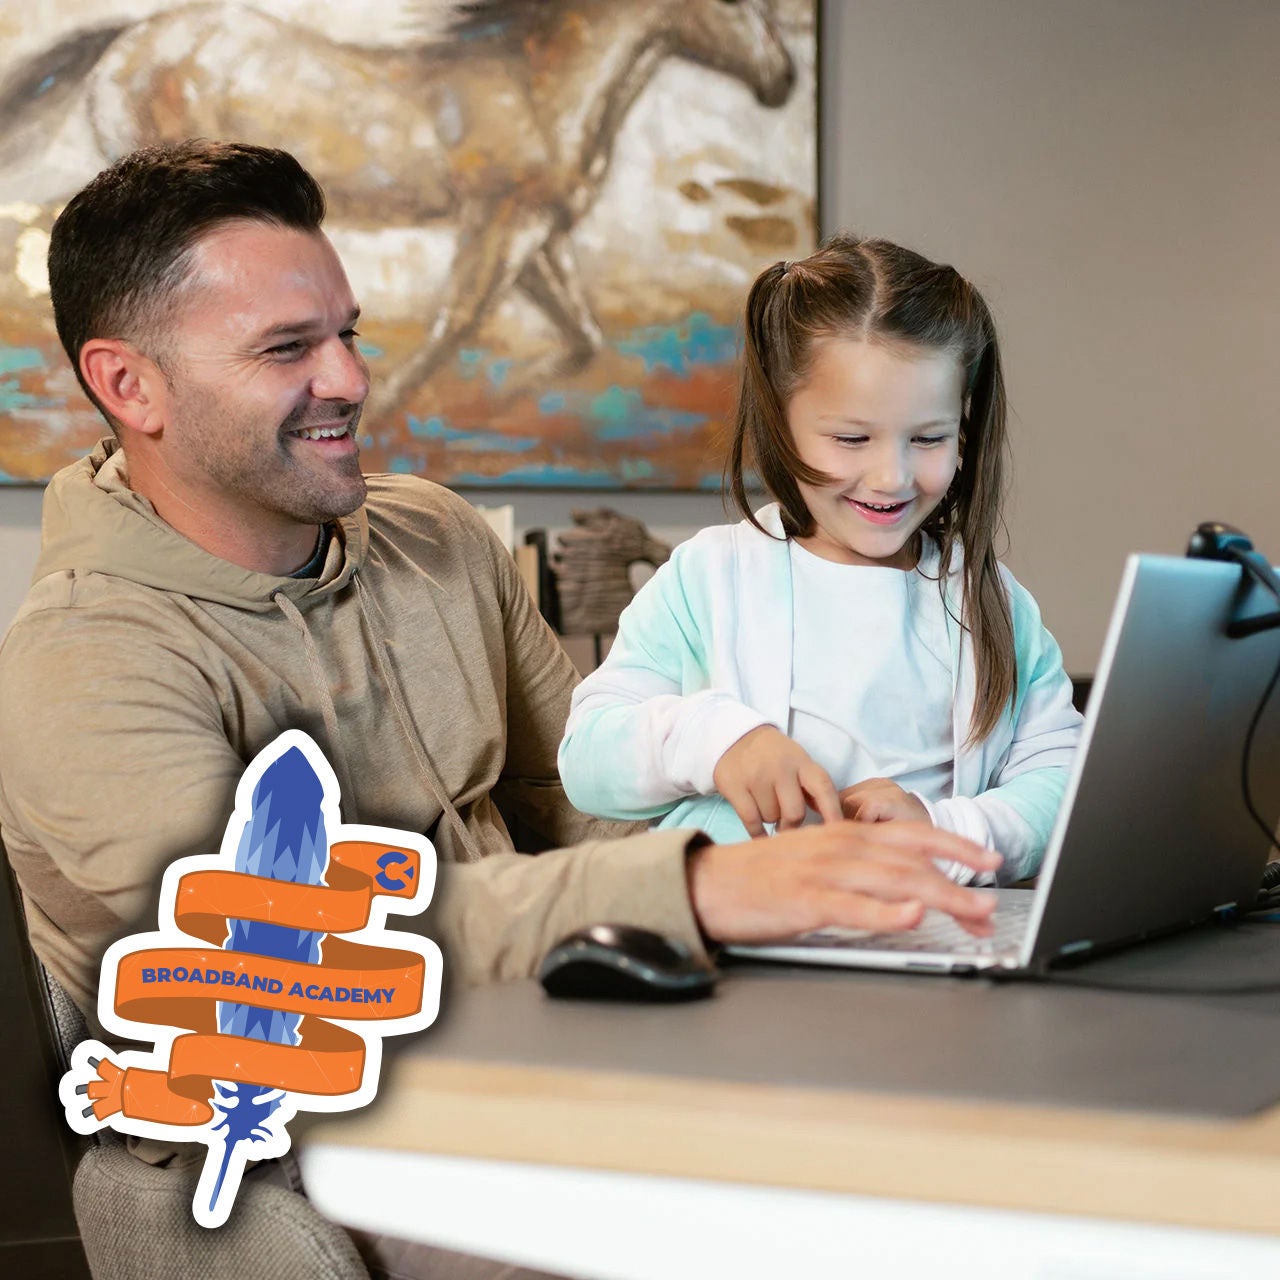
142, 674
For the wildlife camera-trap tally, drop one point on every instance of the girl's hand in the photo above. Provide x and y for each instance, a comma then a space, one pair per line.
767, 777
880, 800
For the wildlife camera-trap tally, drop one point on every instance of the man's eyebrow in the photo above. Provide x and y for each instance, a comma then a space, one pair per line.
287, 328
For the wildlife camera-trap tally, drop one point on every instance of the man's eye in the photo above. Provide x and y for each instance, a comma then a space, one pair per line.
349, 336
287, 350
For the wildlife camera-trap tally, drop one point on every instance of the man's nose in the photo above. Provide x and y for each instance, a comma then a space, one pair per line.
341, 373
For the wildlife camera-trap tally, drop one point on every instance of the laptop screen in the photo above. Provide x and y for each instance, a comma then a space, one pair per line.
1154, 833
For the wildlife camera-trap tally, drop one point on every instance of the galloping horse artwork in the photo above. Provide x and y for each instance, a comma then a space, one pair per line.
551, 210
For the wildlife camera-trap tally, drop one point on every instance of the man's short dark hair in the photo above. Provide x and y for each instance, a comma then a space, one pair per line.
121, 249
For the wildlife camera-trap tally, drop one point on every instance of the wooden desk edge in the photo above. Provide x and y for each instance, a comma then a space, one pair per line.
1213, 1174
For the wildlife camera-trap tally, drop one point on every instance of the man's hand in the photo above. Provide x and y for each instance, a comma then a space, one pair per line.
880, 800
855, 875
769, 778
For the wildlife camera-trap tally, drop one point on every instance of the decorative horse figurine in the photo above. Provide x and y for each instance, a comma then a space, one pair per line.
591, 564
506, 131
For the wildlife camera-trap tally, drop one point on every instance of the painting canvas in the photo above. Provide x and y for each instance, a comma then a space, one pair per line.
550, 210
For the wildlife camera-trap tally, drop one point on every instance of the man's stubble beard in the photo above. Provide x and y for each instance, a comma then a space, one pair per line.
278, 481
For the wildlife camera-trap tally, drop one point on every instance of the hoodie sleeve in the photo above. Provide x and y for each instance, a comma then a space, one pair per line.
113, 762
648, 727
497, 918
1017, 812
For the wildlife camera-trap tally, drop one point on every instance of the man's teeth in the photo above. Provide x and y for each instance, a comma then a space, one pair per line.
321, 433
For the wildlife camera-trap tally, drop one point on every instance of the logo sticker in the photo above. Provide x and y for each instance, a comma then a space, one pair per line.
270, 982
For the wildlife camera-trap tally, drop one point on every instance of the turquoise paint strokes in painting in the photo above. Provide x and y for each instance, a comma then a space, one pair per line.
425, 428
473, 362
13, 398
369, 351
633, 469
551, 402
681, 348
614, 406
436, 428
548, 475
648, 421
15, 359
622, 414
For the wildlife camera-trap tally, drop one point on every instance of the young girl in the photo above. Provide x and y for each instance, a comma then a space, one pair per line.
853, 649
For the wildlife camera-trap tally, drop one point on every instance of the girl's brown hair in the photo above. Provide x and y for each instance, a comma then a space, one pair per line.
875, 290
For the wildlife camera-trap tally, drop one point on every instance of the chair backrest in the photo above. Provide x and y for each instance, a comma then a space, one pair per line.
135, 1218
38, 1232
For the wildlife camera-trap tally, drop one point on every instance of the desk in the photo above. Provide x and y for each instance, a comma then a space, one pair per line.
806, 1118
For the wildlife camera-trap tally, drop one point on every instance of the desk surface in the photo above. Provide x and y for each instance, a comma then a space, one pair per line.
876, 1084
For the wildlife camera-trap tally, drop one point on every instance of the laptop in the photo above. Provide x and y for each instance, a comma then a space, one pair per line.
1154, 834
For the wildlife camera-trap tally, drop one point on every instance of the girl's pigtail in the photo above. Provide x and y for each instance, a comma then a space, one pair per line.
774, 330
754, 390
987, 610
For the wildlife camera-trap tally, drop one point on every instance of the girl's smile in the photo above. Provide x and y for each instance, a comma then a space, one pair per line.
889, 514
882, 422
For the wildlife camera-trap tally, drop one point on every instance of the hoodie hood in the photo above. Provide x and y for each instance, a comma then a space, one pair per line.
92, 522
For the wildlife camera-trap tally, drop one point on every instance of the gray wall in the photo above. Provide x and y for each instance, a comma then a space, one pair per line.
1106, 170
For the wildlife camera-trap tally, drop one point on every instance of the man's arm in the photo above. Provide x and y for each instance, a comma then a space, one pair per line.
497, 918
113, 762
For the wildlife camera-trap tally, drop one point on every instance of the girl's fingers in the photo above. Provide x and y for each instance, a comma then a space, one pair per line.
748, 813
791, 805
822, 793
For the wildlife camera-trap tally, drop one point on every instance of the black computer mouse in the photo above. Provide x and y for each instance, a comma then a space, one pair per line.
624, 962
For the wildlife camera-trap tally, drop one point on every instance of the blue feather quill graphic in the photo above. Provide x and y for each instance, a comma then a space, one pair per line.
284, 839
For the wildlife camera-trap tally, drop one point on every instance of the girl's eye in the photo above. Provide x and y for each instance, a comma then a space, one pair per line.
850, 440
930, 441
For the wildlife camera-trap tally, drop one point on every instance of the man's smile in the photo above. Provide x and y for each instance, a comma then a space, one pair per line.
333, 432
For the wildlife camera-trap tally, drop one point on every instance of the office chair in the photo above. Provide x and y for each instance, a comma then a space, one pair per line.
135, 1219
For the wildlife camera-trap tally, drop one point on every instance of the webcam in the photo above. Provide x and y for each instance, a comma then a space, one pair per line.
1214, 540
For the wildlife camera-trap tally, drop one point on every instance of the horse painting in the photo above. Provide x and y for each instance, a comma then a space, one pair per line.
501, 133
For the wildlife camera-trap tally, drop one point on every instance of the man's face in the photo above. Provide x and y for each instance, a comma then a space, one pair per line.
264, 384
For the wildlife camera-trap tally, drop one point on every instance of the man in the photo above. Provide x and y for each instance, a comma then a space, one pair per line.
220, 571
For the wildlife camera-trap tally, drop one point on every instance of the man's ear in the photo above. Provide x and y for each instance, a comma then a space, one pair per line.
128, 384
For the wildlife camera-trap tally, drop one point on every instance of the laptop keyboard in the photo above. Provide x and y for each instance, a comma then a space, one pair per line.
937, 932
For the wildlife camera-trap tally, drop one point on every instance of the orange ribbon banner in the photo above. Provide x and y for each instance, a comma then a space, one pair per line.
176, 987
256, 1002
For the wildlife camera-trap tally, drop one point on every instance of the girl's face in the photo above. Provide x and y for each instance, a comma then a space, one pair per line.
884, 422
